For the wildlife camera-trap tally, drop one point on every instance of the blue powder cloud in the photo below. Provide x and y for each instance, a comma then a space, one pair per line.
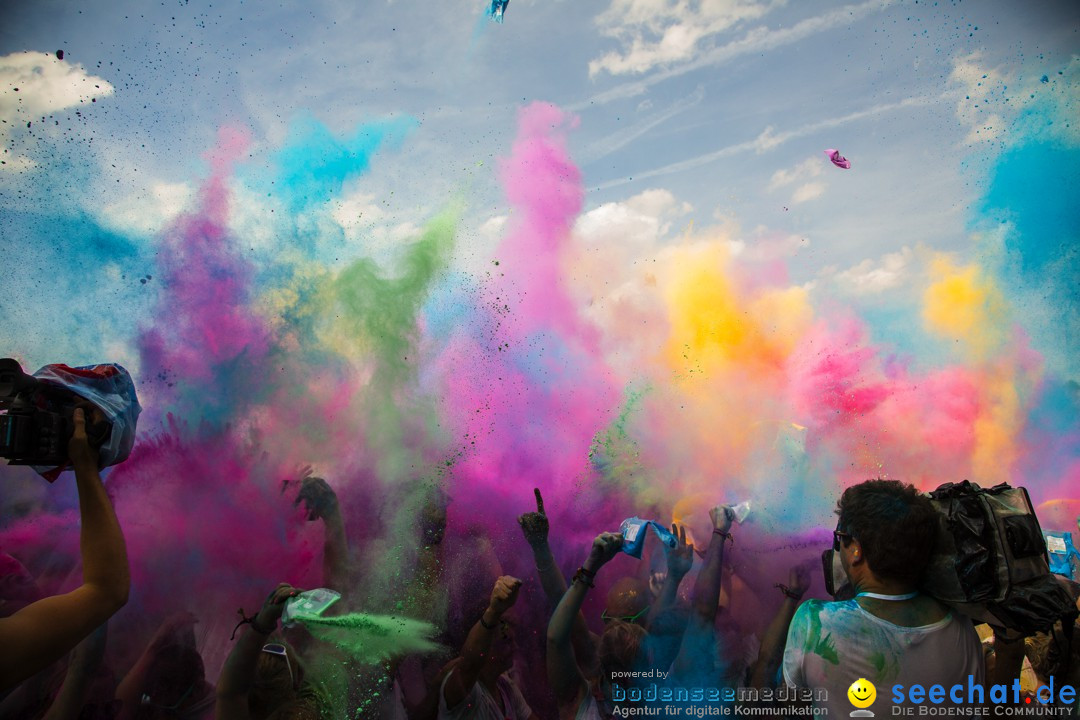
314, 164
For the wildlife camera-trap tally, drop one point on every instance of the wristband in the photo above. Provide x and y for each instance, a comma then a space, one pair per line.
244, 620
486, 626
725, 535
584, 576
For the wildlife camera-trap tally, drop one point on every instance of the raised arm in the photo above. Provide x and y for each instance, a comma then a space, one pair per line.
321, 503
706, 596
698, 638
85, 659
42, 632
566, 678
477, 645
679, 561
238, 673
763, 673
535, 528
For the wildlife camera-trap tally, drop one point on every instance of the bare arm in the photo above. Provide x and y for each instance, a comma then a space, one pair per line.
42, 632
566, 678
321, 503
679, 561
475, 652
535, 527
706, 594
84, 661
238, 673
772, 644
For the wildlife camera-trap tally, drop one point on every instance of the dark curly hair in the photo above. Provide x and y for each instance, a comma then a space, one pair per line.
894, 524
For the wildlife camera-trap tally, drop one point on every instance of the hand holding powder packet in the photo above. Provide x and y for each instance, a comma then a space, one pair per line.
308, 605
634, 530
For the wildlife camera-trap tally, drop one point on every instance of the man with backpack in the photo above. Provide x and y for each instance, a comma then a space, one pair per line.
890, 633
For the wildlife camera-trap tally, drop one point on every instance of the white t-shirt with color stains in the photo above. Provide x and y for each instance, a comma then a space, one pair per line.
830, 645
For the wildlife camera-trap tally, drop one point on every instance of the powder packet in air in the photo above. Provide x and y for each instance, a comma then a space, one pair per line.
742, 510
634, 530
307, 605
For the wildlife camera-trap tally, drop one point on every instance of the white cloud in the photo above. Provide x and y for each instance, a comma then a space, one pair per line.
356, 211
149, 210
809, 168
45, 84
636, 224
872, 277
492, 228
369, 225
757, 40
809, 191
992, 97
660, 32
617, 251
35, 84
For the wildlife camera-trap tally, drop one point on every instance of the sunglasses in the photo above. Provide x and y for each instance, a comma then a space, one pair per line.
837, 536
279, 649
626, 618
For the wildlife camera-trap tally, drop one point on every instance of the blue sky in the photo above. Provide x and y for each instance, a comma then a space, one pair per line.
692, 114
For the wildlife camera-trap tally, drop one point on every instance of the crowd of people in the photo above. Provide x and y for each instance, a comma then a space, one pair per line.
660, 647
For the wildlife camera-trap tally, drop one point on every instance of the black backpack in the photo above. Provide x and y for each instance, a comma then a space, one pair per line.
990, 560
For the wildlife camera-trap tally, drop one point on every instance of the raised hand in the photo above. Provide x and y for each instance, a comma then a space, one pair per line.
534, 525
604, 547
80, 452
722, 517
318, 497
681, 557
504, 595
799, 579
274, 605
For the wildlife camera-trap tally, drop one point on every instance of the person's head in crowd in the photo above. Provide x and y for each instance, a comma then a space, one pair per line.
175, 681
279, 675
886, 532
619, 649
627, 600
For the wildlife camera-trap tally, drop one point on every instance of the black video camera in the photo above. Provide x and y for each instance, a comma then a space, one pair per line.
36, 419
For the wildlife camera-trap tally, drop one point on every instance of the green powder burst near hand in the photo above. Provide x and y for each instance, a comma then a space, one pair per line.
373, 638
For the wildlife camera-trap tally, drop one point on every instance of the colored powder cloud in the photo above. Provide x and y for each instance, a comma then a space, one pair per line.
689, 374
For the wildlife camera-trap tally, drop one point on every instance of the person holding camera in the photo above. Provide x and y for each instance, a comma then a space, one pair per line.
44, 631
889, 633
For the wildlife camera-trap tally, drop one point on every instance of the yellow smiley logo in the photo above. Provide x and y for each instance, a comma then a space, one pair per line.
862, 693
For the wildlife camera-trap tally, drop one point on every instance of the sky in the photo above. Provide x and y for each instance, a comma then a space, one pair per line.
598, 248
724, 107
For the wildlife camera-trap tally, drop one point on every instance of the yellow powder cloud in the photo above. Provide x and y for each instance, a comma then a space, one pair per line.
713, 326
964, 305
